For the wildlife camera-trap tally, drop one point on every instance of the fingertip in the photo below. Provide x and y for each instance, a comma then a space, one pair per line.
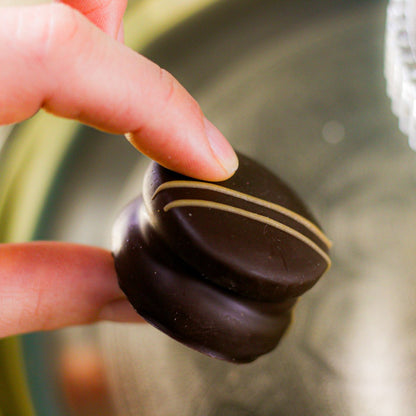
119, 310
222, 151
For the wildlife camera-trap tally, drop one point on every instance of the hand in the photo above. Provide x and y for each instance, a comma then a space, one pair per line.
69, 60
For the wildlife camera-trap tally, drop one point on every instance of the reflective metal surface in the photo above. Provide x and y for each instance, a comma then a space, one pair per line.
299, 86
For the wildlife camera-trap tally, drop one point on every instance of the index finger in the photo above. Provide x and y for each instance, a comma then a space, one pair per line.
52, 57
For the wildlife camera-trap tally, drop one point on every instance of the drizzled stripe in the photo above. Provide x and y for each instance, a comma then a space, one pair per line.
249, 198
256, 217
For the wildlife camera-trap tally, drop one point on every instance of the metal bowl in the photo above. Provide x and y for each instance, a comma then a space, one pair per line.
299, 86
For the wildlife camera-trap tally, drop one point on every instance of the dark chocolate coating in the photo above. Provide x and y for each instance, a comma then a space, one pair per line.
215, 270
174, 298
238, 253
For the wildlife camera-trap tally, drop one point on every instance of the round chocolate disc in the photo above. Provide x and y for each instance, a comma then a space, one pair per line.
250, 234
218, 266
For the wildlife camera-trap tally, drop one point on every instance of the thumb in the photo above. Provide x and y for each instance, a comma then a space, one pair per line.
49, 285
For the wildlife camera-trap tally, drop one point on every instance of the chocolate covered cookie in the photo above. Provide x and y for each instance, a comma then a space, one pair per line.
218, 266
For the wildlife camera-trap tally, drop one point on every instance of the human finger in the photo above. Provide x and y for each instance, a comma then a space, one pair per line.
51, 56
105, 14
48, 285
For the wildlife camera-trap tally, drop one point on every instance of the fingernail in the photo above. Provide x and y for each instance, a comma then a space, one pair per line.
222, 150
119, 311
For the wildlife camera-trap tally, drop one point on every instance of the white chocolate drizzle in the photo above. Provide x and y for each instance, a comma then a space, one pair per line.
251, 215
249, 198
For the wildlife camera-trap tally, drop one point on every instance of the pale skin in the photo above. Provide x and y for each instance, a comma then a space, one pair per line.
70, 60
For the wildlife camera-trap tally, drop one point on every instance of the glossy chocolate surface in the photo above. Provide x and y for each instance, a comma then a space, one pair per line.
240, 251
218, 266
174, 298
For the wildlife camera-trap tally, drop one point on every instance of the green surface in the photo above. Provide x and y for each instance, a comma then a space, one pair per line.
27, 170
14, 397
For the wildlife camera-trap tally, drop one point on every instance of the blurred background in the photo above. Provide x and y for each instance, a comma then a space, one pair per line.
299, 86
